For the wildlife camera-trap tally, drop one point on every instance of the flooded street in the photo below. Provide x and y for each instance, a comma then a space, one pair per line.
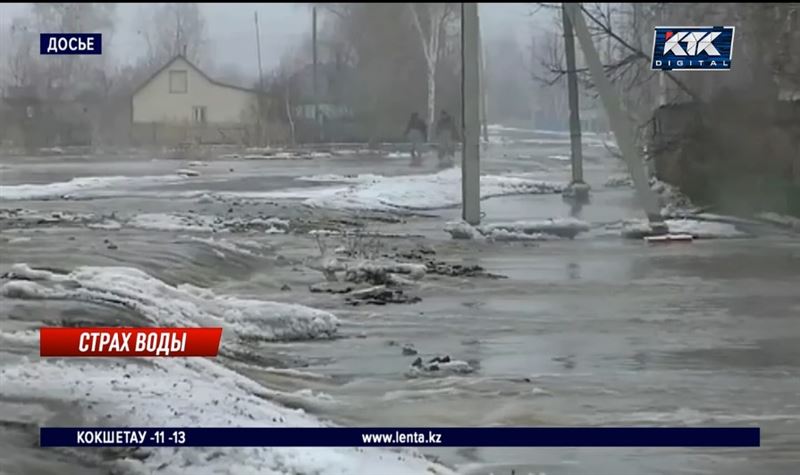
592, 331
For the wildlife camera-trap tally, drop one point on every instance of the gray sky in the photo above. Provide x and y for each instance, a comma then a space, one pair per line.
283, 25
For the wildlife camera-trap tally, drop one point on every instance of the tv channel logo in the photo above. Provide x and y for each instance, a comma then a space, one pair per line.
70, 43
693, 48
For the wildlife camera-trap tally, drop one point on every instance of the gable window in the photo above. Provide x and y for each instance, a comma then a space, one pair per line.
199, 114
178, 82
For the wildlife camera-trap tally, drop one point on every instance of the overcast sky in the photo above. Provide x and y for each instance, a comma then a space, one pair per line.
283, 25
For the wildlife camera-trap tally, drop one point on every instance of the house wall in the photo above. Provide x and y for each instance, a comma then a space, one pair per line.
224, 105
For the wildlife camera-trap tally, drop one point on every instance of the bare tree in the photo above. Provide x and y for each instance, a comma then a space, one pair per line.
430, 21
172, 29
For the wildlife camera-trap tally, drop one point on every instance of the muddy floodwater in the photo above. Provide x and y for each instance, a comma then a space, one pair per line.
592, 331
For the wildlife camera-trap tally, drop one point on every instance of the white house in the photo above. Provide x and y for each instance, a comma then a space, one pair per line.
180, 103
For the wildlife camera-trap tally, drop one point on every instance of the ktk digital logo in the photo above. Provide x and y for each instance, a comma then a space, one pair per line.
693, 48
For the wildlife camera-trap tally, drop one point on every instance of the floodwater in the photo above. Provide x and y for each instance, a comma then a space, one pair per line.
592, 331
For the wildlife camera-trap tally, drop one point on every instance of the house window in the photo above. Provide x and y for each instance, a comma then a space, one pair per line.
199, 114
177, 82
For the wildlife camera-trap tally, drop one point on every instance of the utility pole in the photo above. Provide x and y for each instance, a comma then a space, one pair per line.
260, 83
314, 67
258, 49
577, 189
484, 92
470, 114
623, 130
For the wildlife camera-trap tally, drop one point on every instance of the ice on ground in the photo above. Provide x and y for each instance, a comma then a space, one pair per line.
108, 225
698, 229
502, 235
197, 163
461, 230
187, 172
166, 305
332, 178
398, 155
80, 186
561, 227
619, 181
411, 192
172, 222
201, 392
225, 245
18, 240
703, 229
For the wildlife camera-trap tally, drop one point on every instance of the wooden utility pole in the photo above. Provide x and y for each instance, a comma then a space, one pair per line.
470, 114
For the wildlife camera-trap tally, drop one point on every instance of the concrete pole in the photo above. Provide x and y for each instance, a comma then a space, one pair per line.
314, 66
470, 114
623, 130
484, 92
574, 107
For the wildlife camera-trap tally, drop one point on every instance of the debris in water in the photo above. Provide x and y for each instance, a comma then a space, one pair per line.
408, 350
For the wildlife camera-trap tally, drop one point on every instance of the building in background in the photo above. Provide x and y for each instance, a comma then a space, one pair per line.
180, 104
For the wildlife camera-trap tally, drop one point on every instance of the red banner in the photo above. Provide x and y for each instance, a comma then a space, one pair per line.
116, 342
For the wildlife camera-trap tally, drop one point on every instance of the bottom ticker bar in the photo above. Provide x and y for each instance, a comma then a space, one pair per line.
400, 437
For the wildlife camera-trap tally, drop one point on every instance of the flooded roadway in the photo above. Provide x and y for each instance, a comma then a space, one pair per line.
591, 331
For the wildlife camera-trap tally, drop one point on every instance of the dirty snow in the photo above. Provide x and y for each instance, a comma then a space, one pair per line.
184, 392
461, 230
698, 229
172, 222
619, 181
561, 227
108, 225
187, 172
411, 192
79, 186
166, 305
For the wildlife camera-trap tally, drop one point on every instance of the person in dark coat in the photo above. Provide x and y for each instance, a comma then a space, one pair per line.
446, 135
417, 132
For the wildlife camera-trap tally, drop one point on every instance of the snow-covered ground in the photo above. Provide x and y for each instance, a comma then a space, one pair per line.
81, 186
167, 305
185, 391
411, 192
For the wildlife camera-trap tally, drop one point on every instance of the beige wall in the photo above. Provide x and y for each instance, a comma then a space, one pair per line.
224, 105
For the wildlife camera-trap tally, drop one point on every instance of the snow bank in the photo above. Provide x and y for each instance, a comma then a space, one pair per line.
166, 305
542, 230
619, 181
560, 227
703, 229
187, 392
698, 229
461, 230
78, 187
411, 192
193, 392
